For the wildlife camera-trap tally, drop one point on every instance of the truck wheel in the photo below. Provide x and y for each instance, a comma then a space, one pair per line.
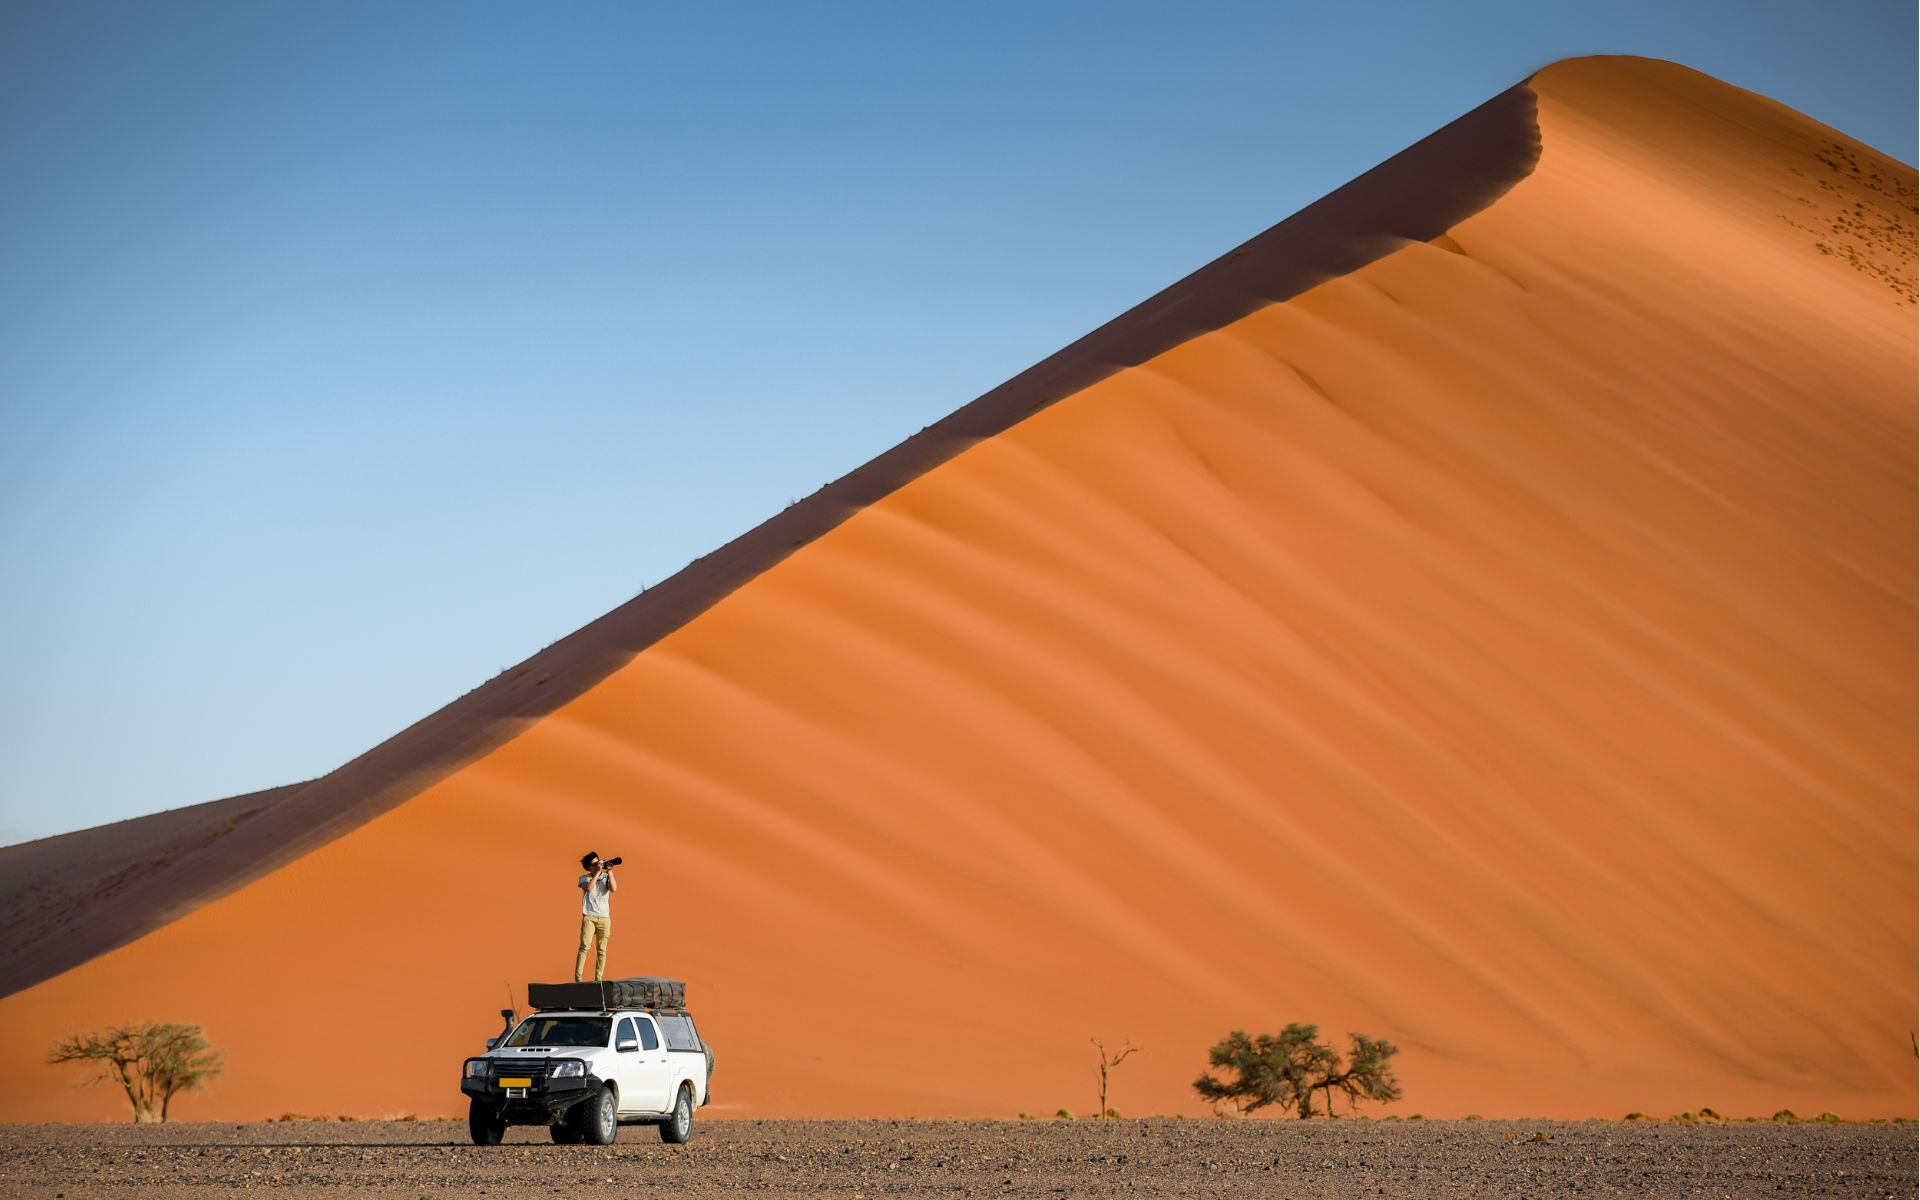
599, 1122
676, 1129
485, 1128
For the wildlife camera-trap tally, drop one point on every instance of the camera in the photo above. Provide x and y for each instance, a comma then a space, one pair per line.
611, 862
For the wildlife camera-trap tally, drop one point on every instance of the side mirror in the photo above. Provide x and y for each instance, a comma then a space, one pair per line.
626, 1046
492, 1042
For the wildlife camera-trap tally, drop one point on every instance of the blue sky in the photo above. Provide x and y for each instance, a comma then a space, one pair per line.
351, 352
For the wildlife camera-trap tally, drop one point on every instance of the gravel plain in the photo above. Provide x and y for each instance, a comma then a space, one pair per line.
1043, 1159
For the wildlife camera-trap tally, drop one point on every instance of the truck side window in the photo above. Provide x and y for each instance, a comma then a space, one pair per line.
647, 1040
679, 1031
626, 1032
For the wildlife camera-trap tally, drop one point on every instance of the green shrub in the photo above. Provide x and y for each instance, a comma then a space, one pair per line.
1286, 1069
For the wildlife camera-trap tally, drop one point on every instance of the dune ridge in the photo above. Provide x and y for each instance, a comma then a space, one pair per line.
1412, 196
1506, 647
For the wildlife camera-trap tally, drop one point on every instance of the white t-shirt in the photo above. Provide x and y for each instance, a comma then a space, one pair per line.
594, 897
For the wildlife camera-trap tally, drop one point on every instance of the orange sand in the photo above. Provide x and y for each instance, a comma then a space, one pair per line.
1507, 649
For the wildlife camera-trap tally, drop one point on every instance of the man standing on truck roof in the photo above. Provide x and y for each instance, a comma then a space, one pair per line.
596, 925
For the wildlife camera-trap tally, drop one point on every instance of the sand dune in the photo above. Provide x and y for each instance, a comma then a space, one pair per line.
1500, 638
1416, 195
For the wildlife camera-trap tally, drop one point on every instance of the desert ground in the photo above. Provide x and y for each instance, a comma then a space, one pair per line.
1152, 1157
1485, 620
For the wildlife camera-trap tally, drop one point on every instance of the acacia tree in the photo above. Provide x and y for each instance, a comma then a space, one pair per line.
1267, 1069
1286, 1070
151, 1061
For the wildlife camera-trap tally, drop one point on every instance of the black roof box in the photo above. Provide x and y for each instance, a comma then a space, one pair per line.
644, 992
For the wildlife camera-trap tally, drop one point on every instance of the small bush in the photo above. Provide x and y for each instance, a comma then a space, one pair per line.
1473, 1117
1637, 1116
1785, 1117
1065, 1114
1827, 1118
1026, 1117
1113, 1113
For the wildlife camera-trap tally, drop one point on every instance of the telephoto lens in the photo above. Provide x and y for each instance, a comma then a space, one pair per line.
611, 862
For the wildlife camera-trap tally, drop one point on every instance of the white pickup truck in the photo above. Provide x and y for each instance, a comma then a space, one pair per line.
583, 1073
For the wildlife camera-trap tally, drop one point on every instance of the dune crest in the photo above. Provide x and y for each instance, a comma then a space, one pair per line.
1413, 196
1505, 646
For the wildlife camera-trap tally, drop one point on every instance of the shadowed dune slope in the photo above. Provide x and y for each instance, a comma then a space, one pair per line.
1506, 648
65, 899
1415, 195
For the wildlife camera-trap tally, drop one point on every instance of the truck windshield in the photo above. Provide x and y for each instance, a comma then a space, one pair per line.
560, 1031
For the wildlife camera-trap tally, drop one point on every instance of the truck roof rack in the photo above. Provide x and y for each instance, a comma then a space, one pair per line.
641, 992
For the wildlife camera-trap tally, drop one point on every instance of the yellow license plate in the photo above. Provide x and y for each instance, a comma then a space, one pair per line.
514, 1082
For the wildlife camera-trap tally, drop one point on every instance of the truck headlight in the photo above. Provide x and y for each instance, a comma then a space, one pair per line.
568, 1067
477, 1068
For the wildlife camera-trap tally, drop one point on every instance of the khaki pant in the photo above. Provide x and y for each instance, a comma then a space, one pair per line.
593, 929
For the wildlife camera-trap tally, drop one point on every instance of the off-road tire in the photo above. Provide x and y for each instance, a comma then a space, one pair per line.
678, 1126
483, 1126
598, 1118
